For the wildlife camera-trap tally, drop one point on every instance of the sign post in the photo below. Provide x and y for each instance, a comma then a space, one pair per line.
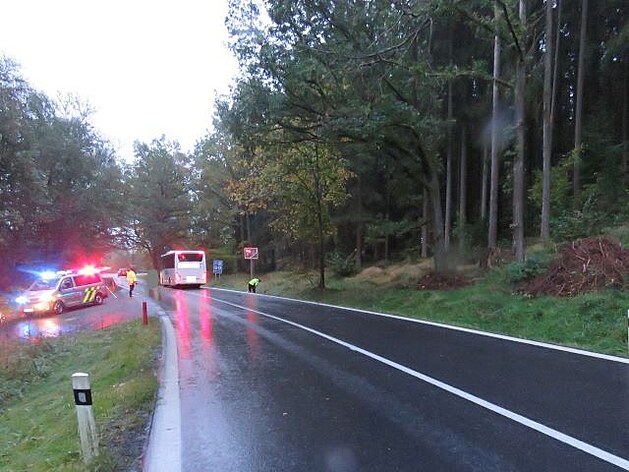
251, 253
217, 268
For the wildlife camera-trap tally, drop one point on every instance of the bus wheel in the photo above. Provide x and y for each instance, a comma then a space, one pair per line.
58, 307
98, 299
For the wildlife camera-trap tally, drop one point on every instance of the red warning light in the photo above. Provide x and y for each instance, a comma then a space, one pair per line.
88, 270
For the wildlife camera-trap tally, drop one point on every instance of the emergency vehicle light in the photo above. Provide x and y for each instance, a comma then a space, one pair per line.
88, 270
48, 275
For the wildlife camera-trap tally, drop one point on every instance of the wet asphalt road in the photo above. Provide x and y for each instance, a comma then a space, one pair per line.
275, 385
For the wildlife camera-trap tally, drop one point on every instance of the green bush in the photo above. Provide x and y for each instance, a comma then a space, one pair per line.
342, 266
621, 233
536, 264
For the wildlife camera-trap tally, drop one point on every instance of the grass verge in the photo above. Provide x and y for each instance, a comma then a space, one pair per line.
593, 321
37, 415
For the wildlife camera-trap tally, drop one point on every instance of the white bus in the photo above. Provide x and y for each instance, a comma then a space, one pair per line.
183, 269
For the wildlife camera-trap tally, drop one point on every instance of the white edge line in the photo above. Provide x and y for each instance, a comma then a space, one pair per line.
559, 436
504, 337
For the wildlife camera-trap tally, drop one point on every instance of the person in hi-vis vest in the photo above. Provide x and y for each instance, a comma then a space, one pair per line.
253, 283
132, 280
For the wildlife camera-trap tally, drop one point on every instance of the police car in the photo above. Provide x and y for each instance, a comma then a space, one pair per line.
57, 291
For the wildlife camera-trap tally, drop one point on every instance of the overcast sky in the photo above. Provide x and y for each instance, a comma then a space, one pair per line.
147, 67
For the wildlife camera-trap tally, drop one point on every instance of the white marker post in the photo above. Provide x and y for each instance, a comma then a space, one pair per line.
85, 416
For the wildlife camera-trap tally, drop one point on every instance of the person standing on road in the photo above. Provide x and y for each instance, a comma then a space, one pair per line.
132, 279
253, 283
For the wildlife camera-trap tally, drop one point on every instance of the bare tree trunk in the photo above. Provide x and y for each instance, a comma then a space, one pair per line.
483, 191
492, 238
553, 100
448, 215
462, 189
320, 229
359, 227
439, 253
387, 217
321, 250
625, 125
518, 162
576, 174
547, 124
424, 242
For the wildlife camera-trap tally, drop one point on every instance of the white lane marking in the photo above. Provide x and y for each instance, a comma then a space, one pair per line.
529, 423
504, 337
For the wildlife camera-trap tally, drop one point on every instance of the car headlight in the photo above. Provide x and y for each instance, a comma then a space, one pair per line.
21, 300
47, 297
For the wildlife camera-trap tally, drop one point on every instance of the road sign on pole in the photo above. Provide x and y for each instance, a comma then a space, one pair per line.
251, 253
217, 266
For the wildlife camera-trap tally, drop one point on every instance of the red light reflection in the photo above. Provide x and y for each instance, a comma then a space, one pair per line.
206, 326
205, 317
252, 321
182, 323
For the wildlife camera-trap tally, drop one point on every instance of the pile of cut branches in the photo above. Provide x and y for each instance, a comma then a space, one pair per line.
583, 266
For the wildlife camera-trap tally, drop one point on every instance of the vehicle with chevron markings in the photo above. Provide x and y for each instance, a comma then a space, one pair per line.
57, 291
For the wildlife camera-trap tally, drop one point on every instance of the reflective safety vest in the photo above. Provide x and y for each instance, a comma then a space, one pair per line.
131, 278
254, 282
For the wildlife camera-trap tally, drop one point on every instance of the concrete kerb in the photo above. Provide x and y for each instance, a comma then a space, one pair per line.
163, 449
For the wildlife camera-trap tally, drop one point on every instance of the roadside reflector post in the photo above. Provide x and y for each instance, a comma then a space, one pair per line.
85, 415
145, 314
627, 330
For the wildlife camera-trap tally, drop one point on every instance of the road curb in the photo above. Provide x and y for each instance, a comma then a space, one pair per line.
164, 444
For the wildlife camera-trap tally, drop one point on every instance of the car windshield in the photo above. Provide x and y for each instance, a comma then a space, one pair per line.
47, 284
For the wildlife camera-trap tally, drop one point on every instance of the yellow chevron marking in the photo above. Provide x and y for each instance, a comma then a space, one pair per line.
90, 293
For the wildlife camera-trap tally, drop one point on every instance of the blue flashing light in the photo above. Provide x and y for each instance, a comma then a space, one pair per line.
48, 275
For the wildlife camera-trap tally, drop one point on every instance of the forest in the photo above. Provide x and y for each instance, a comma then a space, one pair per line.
357, 133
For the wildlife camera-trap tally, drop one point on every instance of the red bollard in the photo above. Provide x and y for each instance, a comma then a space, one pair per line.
145, 315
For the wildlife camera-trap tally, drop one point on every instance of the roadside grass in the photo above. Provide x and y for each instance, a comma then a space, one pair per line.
37, 414
594, 321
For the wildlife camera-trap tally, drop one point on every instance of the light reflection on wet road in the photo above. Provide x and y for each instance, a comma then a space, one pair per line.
258, 394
